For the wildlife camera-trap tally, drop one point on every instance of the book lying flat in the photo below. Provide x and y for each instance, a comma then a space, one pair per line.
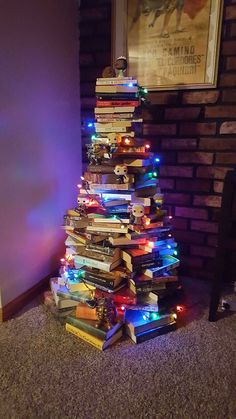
137, 323
90, 326
168, 263
112, 88
150, 334
114, 109
83, 311
98, 343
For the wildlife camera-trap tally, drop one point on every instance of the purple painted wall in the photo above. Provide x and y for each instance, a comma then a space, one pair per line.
40, 159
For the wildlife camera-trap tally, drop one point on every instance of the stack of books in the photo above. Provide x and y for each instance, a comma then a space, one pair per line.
119, 238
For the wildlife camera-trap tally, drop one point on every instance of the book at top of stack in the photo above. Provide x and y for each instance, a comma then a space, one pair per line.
119, 239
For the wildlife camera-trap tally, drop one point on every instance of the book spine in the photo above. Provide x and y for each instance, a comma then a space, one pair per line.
86, 327
85, 312
150, 334
85, 336
99, 286
99, 280
115, 103
93, 263
72, 297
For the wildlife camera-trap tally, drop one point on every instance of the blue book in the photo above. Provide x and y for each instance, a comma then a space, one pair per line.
150, 334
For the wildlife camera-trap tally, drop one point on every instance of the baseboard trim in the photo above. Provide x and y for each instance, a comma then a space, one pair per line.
7, 311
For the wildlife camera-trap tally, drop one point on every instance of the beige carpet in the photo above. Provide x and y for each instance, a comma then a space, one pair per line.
47, 373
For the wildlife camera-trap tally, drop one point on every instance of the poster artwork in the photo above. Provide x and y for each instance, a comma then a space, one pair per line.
171, 42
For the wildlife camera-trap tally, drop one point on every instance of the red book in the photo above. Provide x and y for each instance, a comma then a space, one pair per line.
123, 296
118, 103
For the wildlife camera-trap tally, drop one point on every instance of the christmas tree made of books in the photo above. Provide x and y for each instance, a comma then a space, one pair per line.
120, 262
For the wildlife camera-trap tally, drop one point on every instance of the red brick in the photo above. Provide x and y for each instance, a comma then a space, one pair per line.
228, 80
150, 114
166, 183
207, 226
85, 30
233, 30
226, 158
182, 113
179, 143
86, 60
194, 185
193, 98
176, 171
193, 262
159, 129
220, 111
212, 240
87, 89
199, 273
228, 48
231, 63
102, 58
197, 213
177, 198
167, 157
229, 95
189, 237
217, 143
212, 172
203, 251
179, 223
198, 128
94, 44
90, 74
218, 186
163, 98
88, 102
215, 214
94, 14
195, 157
207, 200
230, 13
228, 127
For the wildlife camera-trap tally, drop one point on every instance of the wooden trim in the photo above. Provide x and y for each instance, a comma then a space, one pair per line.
7, 311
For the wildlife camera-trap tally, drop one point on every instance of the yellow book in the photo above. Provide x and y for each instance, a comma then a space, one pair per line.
93, 340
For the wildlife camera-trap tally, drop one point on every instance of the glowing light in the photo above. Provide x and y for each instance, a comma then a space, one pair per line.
154, 316
147, 146
145, 91
157, 159
62, 260
127, 141
122, 226
93, 137
154, 173
169, 246
81, 177
123, 308
79, 186
170, 217
175, 253
90, 124
180, 309
169, 235
151, 244
130, 85
147, 222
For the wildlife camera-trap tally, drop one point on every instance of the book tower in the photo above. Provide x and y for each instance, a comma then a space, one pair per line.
119, 272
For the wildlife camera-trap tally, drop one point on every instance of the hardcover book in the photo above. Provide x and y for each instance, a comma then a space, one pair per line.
94, 341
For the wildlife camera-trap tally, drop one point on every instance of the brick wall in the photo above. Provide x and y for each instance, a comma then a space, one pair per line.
194, 132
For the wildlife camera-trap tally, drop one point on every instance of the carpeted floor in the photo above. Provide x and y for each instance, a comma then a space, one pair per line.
188, 374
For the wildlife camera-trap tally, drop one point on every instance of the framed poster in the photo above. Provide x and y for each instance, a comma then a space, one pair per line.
169, 44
